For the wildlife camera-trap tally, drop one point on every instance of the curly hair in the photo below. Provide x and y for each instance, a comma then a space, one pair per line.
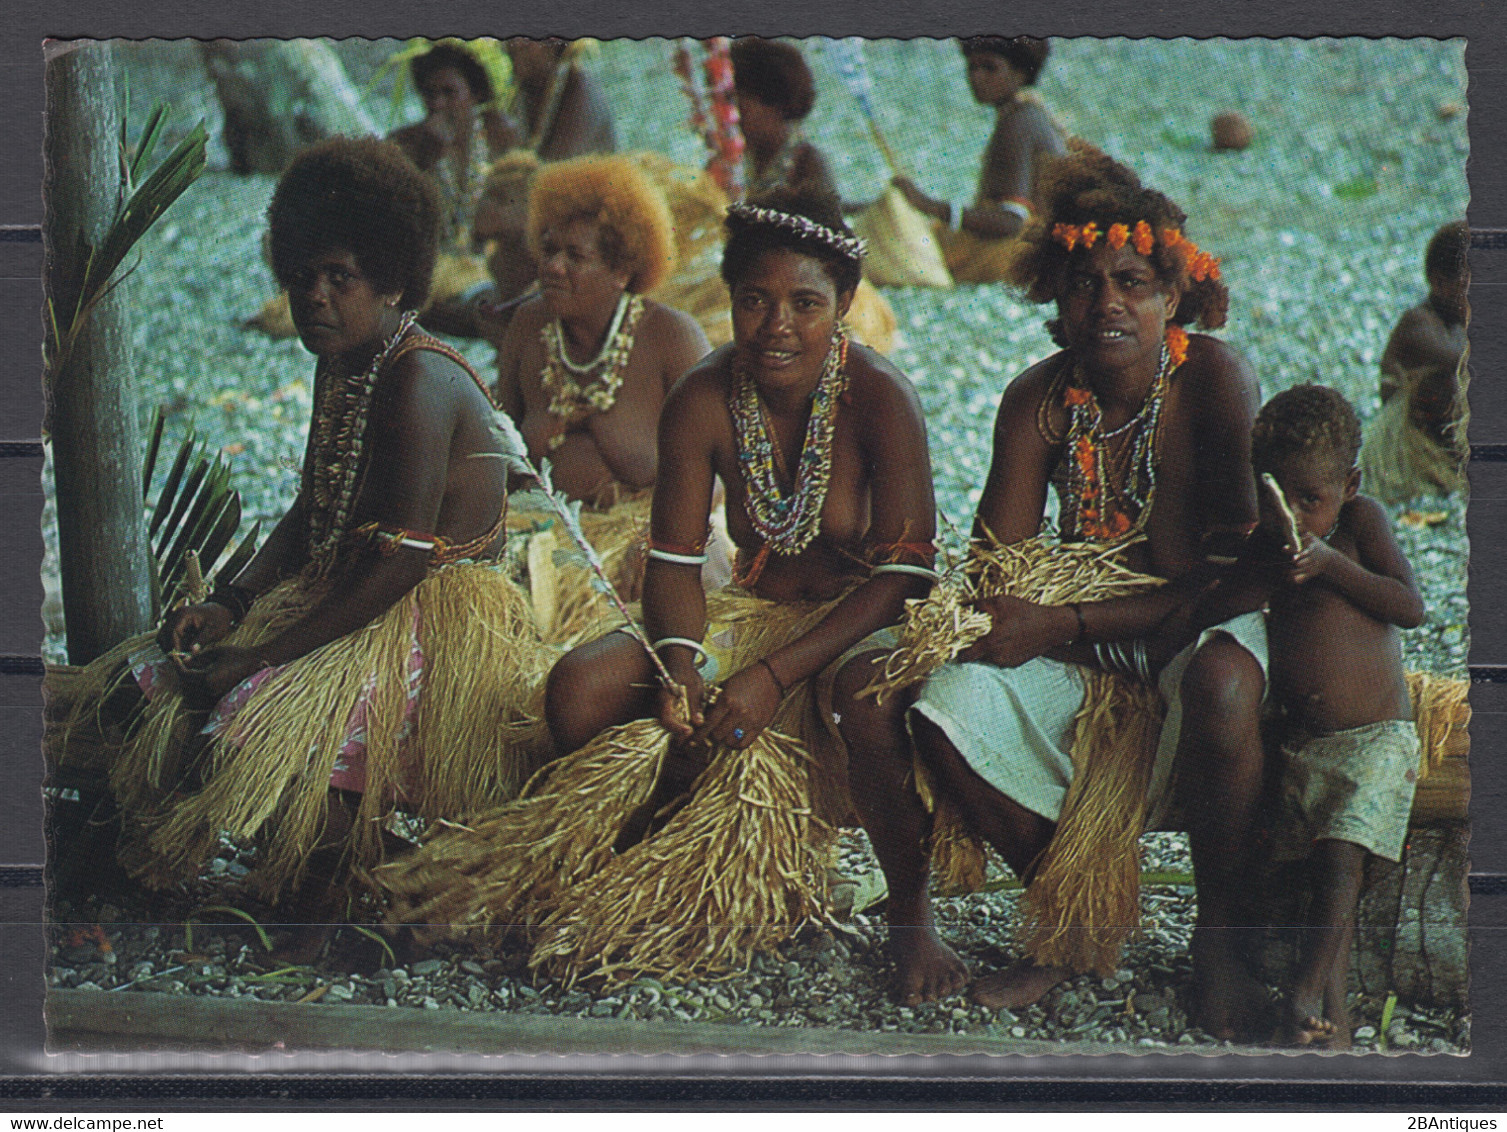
453, 56
774, 73
1304, 420
747, 239
637, 234
363, 196
1447, 251
1025, 53
1086, 184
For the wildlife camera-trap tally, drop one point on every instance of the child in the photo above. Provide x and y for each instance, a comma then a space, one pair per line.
1339, 590
1415, 445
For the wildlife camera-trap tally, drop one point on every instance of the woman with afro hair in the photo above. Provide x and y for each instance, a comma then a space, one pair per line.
370, 657
1143, 431
585, 364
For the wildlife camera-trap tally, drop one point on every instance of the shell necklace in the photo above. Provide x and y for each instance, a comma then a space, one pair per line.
332, 471
569, 398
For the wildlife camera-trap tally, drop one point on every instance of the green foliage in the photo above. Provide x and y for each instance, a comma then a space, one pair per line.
199, 915
142, 204
195, 509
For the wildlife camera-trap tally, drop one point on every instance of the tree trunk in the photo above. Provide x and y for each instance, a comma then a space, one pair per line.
280, 96
96, 437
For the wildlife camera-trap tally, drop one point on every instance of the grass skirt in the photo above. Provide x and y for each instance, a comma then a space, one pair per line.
735, 871
470, 737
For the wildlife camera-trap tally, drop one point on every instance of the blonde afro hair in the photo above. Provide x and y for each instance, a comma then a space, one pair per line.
637, 234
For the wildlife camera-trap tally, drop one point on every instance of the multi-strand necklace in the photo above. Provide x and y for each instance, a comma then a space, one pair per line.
332, 473
1111, 476
787, 524
569, 397
460, 184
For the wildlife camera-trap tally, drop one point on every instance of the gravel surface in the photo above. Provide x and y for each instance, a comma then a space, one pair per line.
1359, 155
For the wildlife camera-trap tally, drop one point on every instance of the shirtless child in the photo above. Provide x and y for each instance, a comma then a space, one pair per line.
1350, 755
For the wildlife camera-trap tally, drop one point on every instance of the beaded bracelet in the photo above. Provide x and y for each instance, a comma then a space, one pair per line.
778, 683
683, 641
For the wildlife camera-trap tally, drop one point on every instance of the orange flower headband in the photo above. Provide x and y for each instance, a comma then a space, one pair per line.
1201, 265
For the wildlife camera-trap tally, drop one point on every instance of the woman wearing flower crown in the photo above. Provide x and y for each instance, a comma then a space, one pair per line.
371, 656
822, 448
1141, 429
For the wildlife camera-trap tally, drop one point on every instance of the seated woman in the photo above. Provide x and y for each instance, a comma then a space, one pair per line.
776, 92
975, 237
1141, 429
1416, 444
561, 107
370, 657
585, 366
822, 447
463, 131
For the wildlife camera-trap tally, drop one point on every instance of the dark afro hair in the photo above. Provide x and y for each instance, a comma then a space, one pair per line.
774, 73
747, 240
1025, 53
1086, 184
454, 57
1305, 420
1447, 251
363, 196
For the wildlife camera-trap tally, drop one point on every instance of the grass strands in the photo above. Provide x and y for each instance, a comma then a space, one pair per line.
940, 626
757, 874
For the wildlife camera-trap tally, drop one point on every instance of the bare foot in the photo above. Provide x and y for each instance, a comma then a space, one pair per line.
1304, 1024
1020, 984
1231, 1005
925, 967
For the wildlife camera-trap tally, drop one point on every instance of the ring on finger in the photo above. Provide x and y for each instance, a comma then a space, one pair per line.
737, 734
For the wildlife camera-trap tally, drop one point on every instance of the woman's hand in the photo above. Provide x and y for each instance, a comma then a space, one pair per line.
688, 693
1021, 631
213, 673
194, 628
936, 209
745, 707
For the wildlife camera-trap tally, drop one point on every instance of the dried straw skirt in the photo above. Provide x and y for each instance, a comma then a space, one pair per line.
739, 868
467, 735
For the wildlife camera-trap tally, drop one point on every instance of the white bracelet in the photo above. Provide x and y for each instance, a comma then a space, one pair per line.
902, 568
677, 559
684, 641
1017, 208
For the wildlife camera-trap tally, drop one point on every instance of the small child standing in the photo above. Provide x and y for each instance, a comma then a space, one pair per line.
1340, 588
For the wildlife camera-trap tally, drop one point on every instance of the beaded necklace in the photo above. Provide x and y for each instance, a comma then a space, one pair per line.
779, 169
569, 399
460, 184
1108, 494
787, 524
333, 469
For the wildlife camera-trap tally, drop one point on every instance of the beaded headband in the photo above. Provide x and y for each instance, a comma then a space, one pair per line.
1201, 265
850, 246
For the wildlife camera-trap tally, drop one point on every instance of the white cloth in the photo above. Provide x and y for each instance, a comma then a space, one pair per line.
1014, 726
